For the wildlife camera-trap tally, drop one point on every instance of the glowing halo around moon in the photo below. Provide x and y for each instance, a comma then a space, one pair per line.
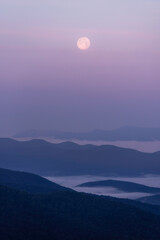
83, 43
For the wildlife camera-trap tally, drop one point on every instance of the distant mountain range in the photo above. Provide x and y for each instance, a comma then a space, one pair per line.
47, 159
122, 186
126, 133
70, 215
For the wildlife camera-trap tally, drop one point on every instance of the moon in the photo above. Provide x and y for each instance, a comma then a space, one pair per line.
83, 43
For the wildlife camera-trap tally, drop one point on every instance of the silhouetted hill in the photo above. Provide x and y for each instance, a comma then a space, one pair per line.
47, 159
122, 186
155, 209
155, 199
126, 133
35, 184
28, 182
72, 216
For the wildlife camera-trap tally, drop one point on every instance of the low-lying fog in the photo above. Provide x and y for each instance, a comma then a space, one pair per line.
73, 181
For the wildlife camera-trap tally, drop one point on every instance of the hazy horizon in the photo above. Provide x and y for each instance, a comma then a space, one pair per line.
47, 82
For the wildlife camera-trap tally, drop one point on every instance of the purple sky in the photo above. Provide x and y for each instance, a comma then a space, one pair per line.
46, 82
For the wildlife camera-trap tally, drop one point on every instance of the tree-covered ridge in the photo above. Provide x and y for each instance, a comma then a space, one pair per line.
155, 199
49, 159
72, 215
28, 182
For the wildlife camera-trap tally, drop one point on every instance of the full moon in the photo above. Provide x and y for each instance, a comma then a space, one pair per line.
83, 43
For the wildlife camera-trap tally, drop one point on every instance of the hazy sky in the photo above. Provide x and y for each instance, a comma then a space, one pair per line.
46, 82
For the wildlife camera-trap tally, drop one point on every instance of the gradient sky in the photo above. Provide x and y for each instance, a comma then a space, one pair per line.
46, 82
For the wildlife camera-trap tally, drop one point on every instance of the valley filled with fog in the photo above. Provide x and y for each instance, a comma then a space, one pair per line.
73, 181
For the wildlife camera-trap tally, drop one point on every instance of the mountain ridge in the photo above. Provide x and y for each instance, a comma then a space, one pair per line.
124, 186
72, 215
28, 182
48, 159
125, 133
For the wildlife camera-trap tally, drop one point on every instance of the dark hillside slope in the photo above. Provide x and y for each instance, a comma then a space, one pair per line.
35, 184
72, 216
49, 159
155, 199
28, 182
155, 209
